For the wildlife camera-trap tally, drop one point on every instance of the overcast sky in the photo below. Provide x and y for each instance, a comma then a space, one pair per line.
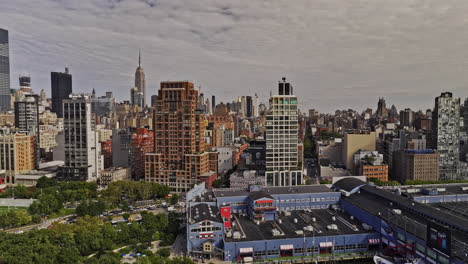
338, 54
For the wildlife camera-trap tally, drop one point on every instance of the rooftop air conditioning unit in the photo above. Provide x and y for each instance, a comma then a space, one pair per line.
237, 235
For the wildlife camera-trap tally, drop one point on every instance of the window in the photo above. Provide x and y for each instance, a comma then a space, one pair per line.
207, 247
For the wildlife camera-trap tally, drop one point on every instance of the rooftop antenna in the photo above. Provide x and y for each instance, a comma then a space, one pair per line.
139, 57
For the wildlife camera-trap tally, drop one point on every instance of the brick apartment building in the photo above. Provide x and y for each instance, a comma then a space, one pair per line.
179, 159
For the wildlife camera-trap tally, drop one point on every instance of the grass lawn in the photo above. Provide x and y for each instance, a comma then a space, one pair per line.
4, 209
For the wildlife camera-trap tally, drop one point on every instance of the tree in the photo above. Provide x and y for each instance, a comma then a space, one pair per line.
90, 208
164, 252
174, 199
45, 205
218, 183
22, 217
44, 182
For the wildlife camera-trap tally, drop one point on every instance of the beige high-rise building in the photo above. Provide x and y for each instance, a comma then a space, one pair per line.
355, 141
17, 154
414, 165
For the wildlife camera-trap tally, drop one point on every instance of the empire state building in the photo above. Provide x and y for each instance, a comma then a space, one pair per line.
138, 93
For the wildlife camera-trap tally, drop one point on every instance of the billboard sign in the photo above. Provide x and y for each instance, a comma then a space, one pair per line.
439, 237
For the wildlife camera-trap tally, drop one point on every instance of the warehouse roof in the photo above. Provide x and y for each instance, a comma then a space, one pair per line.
348, 184
224, 192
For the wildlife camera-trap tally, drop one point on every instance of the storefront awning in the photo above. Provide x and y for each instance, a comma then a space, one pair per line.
246, 250
326, 244
286, 247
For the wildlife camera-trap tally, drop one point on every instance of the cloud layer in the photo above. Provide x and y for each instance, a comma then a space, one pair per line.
338, 54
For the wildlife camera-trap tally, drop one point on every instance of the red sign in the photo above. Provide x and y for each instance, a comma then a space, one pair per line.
226, 215
264, 201
226, 212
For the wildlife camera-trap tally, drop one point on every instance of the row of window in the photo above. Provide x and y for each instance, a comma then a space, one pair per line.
321, 199
309, 249
205, 229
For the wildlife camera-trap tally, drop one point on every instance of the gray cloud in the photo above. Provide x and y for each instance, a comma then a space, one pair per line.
337, 54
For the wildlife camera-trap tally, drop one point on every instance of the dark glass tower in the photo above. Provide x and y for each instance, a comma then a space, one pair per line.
5, 97
61, 84
248, 100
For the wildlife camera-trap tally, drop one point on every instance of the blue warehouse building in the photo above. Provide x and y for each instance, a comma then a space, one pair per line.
267, 223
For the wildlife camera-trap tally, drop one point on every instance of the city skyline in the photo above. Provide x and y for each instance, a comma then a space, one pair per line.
406, 52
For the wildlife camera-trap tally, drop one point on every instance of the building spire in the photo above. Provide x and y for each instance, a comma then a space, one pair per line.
139, 57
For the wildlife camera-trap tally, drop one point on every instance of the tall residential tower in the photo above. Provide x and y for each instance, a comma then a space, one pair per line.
83, 159
446, 134
282, 164
179, 159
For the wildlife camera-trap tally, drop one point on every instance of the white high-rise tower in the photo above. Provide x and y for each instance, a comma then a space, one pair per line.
282, 164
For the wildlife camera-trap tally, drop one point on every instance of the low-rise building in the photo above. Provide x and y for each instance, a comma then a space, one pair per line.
422, 165
246, 178
370, 164
30, 179
352, 220
17, 154
114, 174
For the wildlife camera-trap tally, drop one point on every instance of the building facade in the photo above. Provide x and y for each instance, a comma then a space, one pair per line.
61, 85
370, 164
5, 94
27, 119
17, 154
142, 143
446, 134
121, 148
282, 164
407, 118
422, 165
114, 174
83, 159
179, 159
353, 142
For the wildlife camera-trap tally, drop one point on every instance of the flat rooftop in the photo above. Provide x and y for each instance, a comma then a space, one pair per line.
459, 209
204, 212
274, 190
442, 189
382, 202
288, 224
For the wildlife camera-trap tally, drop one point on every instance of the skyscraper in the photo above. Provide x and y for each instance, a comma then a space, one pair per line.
5, 95
27, 119
213, 103
382, 111
446, 134
61, 84
248, 106
25, 84
407, 117
255, 106
83, 159
140, 84
282, 165
465, 116
179, 159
